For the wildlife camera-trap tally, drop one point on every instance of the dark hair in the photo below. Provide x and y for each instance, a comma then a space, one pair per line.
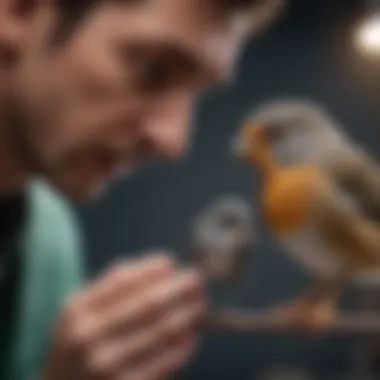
71, 12
238, 4
241, 5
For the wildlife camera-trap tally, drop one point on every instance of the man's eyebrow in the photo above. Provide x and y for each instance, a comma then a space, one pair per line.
190, 61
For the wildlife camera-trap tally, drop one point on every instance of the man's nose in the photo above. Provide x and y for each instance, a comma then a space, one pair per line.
168, 126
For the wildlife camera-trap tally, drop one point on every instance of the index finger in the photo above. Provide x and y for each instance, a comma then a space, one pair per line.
126, 278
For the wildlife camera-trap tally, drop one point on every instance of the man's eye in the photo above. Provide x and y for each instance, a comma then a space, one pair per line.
154, 74
159, 68
150, 72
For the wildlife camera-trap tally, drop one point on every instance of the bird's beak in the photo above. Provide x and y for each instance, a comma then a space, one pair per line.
238, 146
256, 133
243, 145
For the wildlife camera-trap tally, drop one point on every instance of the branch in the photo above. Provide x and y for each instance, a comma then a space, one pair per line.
345, 324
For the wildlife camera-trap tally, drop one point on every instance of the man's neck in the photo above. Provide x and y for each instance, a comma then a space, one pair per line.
12, 173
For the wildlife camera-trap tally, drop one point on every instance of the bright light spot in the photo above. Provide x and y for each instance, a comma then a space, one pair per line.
367, 37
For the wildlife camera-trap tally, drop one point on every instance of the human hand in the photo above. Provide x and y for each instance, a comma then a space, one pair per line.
136, 322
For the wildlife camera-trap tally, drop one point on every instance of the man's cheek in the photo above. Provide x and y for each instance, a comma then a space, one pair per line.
64, 143
74, 175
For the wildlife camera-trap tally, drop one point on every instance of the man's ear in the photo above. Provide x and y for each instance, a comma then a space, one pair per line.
16, 17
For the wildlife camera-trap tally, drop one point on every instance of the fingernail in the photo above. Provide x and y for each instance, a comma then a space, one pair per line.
187, 349
160, 259
191, 276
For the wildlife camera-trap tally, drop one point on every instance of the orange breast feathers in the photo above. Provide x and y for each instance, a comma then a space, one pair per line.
286, 198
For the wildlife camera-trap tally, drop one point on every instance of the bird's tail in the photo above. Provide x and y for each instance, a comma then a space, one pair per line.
368, 278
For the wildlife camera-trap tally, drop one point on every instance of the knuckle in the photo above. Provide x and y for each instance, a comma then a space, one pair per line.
116, 264
196, 281
74, 307
168, 328
152, 262
69, 326
98, 366
189, 283
154, 375
174, 324
155, 371
199, 311
168, 363
190, 318
71, 309
137, 376
182, 320
144, 342
160, 259
114, 270
118, 271
157, 336
78, 336
155, 305
177, 358
152, 305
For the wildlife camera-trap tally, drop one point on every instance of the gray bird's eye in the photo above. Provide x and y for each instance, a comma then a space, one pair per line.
275, 131
229, 222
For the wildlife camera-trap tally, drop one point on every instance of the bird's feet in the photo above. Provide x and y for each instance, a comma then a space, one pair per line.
305, 314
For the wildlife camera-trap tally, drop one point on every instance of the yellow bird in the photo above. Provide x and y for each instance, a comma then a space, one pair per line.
313, 218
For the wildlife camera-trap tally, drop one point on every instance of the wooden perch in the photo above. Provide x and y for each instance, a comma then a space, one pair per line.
345, 324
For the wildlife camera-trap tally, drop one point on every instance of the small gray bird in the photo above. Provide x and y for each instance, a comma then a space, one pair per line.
222, 238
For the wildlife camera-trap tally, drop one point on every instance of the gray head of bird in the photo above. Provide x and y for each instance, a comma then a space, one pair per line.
291, 131
223, 233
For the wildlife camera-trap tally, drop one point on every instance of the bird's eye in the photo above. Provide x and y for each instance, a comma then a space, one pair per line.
274, 131
229, 222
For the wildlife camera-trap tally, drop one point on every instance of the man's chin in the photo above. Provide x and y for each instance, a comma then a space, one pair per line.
92, 193
85, 185
92, 190
79, 192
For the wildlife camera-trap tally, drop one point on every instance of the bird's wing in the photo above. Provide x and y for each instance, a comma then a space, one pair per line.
240, 265
347, 228
358, 176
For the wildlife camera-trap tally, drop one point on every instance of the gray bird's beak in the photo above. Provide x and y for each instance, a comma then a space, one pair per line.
238, 147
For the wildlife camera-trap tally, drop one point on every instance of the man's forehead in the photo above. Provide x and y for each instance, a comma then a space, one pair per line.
195, 28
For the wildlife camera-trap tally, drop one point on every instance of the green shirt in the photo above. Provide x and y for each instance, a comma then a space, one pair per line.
48, 251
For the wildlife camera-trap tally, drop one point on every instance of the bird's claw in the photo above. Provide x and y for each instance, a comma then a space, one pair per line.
305, 315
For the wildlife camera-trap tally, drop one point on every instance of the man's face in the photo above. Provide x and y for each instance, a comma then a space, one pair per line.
118, 90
